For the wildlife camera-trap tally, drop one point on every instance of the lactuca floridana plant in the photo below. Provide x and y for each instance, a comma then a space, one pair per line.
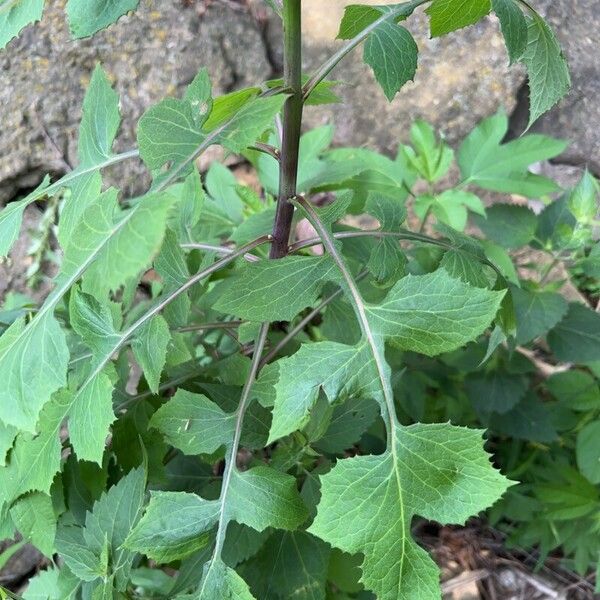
241, 424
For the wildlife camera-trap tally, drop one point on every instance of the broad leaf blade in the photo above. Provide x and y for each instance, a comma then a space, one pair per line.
392, 53
437, 471
15, 15
434, 313
87, 17
549, 78
514, 27
450, 15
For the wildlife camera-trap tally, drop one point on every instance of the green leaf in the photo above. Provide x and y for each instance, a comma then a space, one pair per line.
73, 549
291, 564
357, 17
433, 313
274, 290
450, 15
176, 524
583, 201
429, 156
591, 263
93, 321
450, 207
17, 14
7, 437
488, 163
177, 131
33, 365
86, 17
117, 245
111, 520
11, 218
537, 312
33, 515
348, 422
340, 371
392, 53
514, 27
496, 392
150, 349
549, 78
219, 581
90, 416
387, 261
194, 424
588, 452
577, 337
435, 471
99, 125
509, 225
34, 461
577, 390
528, 420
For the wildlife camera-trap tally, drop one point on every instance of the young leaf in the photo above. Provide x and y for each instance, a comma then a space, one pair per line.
391, 52
14, 16
433, 313
437, 471
488, 163
86, 17
514, 27
250, 293
549, 78
450, 15
194, 424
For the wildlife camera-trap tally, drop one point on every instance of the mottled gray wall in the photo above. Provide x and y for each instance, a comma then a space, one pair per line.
156, 51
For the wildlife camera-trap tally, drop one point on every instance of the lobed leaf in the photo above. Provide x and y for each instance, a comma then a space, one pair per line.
437, 471
433, 313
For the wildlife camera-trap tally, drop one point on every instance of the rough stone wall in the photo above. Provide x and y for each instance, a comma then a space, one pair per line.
157, 51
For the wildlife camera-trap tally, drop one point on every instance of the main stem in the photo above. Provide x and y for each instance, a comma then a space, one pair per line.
292, 123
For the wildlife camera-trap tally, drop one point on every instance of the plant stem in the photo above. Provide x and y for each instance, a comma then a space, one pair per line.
292, 123
387, 405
